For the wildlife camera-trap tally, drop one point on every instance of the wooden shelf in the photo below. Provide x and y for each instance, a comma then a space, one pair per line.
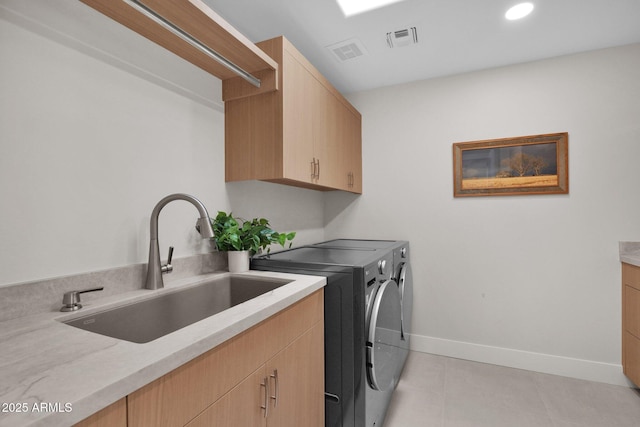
199, 21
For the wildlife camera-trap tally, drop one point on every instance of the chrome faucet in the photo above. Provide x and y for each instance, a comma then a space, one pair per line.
154, 268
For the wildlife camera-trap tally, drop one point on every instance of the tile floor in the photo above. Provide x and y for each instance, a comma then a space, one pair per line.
444, 392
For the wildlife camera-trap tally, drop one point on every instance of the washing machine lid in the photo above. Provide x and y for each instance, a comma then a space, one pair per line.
362, 244
323, 256
384, 337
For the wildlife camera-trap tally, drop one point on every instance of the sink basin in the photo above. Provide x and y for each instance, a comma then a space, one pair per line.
152, 318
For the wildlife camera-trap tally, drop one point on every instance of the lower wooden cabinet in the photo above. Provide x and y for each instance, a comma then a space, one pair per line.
631, 322
114, 415
242, 406
270, 375
296, 384
287, 391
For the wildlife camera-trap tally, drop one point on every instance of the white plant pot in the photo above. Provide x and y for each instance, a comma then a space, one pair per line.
238, 261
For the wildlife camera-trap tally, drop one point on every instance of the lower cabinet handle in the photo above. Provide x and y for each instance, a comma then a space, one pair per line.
275, 380
265, 384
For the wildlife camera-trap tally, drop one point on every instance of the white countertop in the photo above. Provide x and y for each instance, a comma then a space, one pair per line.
77, 373
630, 253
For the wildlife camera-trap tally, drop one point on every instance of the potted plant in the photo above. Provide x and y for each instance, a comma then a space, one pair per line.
241, 238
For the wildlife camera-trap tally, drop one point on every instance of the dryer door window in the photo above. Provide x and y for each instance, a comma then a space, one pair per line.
383, 346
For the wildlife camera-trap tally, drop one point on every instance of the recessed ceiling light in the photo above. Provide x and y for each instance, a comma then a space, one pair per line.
519, 11
354, 7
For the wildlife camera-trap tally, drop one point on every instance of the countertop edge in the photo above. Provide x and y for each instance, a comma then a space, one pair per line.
630, 253
125, 366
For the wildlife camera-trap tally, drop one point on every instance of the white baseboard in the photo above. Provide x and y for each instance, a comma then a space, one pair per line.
546, 363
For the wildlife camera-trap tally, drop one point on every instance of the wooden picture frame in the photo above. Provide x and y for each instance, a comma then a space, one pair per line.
536, 164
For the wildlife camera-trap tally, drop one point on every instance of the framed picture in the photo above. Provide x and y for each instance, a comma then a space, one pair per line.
536, 164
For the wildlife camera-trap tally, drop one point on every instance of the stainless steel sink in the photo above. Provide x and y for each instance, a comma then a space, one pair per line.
146, 320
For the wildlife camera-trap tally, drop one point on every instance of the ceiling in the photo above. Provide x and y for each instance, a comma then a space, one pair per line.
454, 36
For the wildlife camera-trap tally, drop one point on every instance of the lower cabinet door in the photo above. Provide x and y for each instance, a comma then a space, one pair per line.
286, 392
244, 405
631, 349
296, 382
114, 415
632, 310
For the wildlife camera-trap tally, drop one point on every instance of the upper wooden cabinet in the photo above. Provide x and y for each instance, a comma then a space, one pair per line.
295, 129
196, 19
306, 134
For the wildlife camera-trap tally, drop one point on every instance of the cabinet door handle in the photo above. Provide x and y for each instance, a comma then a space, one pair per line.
275, 380
265, 384
315, 169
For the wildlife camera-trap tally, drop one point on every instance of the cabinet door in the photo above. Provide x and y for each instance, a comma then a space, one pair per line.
327, 144
344, 146
297, 382
298, 100
334, 162
354, 151
114, 415
245, 405
179, 396
313, 144
632, 309
631, 354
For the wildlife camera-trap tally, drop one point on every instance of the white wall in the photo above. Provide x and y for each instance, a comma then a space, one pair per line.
526, 281
98, 124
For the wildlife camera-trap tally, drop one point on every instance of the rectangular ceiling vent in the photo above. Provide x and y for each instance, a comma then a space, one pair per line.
347, 49
404, 37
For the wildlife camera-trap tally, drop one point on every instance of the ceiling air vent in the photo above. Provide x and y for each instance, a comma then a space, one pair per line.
348, 49
404, 37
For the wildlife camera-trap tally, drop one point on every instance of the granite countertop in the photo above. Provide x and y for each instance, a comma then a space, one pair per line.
630, 253
76, 373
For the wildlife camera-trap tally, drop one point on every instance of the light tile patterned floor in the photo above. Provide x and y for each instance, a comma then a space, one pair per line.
436, 391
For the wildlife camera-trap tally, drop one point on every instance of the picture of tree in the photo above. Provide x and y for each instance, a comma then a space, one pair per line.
511, 166
512, 161
523, 164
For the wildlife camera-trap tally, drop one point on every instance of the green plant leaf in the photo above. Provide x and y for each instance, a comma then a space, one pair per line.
235, 234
